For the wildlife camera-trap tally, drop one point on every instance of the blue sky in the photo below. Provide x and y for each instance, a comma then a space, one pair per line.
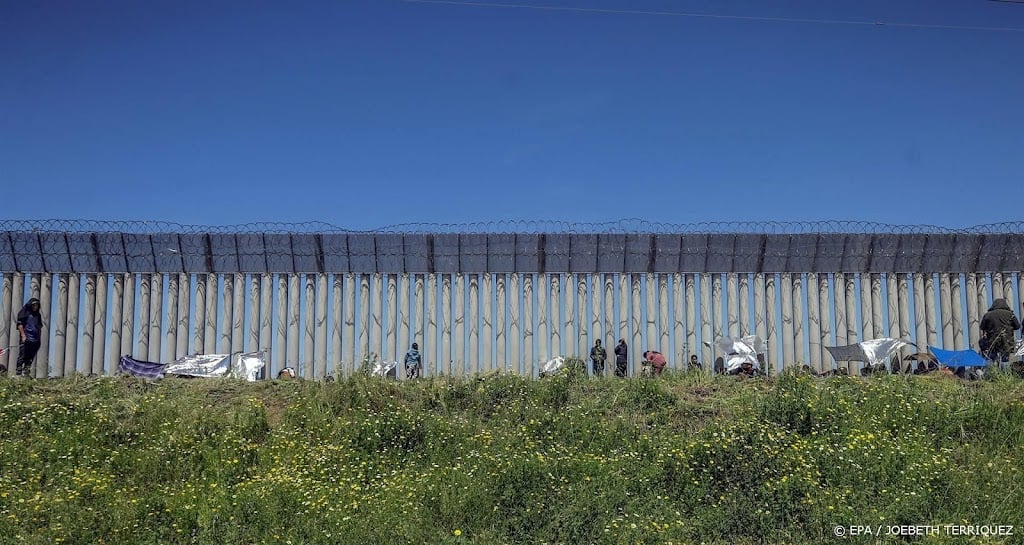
365, 113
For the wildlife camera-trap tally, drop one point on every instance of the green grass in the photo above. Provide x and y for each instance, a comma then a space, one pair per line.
505, 459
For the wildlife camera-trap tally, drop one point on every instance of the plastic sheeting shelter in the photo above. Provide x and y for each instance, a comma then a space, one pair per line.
246, 366
200, 365
249, 366
872, 352
740, 351
958, 358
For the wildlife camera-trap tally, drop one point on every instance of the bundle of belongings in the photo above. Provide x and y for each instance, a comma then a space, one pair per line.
385, 369
552, 366
245, 366
1017, 367
874, 352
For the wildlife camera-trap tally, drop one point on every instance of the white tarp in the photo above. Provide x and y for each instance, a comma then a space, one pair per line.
751, 344
248, 366
874, 352
201, 365
736, 352
552, 365
383, 368
736, 361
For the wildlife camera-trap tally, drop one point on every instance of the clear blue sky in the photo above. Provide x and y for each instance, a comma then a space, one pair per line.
365, 113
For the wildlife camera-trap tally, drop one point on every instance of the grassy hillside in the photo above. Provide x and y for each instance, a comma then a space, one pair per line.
503, 459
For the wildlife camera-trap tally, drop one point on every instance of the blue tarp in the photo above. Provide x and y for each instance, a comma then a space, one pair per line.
958, 358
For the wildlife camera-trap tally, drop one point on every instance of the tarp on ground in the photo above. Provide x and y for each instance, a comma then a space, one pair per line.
140, 368
873, 352
201, 365
958, 358
246, 366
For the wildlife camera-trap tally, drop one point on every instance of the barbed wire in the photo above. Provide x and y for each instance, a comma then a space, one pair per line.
711, 247
622, 226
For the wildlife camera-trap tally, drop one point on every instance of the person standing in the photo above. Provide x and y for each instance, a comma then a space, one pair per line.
694, 364
413, 362
30, 326
996, 328
621, 358
598, 355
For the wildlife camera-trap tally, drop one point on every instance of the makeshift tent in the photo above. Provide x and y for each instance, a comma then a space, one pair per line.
140, 368
958, 358
926, 357
248, 366
873, 352
740, 351
926, 362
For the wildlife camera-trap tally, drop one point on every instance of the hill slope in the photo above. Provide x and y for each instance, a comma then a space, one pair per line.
503, 459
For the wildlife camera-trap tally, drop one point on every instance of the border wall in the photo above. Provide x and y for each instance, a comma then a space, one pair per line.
325, 301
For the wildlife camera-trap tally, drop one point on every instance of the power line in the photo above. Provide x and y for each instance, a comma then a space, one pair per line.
717, 15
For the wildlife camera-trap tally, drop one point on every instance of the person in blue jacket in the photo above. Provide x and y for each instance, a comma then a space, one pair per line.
413, 362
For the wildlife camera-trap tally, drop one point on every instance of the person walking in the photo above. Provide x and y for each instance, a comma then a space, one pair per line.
598, 355
621, 358
30, 326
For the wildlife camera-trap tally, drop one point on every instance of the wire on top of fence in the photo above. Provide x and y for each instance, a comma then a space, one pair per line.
622, 226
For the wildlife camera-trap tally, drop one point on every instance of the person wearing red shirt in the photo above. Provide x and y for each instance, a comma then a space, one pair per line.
657, 360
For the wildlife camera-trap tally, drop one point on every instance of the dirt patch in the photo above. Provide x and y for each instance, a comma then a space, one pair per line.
275, 408
701, 391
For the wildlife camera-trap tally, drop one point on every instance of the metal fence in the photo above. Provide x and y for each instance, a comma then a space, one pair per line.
506, 295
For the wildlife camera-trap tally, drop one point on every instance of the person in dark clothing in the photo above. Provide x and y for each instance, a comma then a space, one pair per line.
413, 362
746, 369
694, 364
997, 327
30, 326
598, 355
621, 358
